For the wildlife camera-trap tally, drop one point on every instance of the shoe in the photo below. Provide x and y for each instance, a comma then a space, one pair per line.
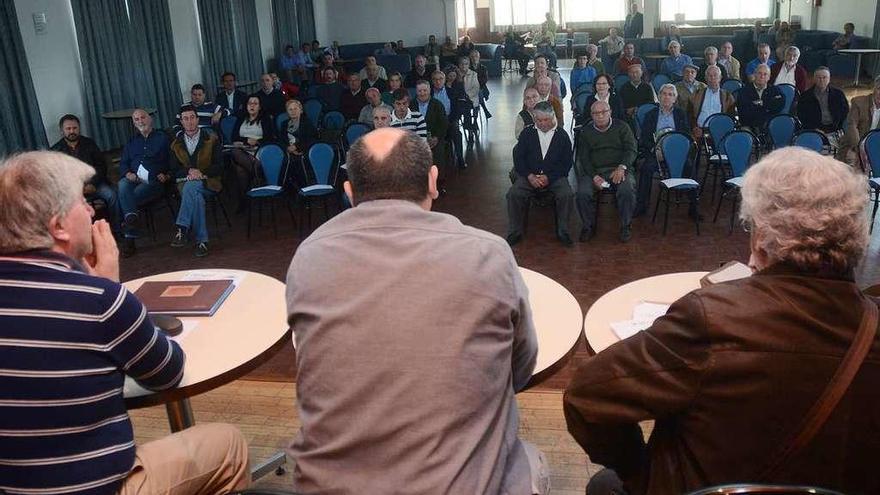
513, 239
131, 220
179, 239
201, 249
128, 248
625, 233
586, 235
565, 239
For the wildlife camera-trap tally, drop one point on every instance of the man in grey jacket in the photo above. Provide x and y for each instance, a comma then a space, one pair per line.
413, 332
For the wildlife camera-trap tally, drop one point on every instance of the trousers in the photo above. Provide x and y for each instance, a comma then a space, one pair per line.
624, 193
521, 192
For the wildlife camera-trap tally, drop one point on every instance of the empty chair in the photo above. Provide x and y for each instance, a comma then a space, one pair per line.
781, 129
871, 146
227, 126
679, 149
271, 159
811, 139
732, 85
757, 489
659, 80
333, 120
322, 158
790, 92
313, 108
717, 126
640, 114
738, 144
281, 123
353, 132
619, 81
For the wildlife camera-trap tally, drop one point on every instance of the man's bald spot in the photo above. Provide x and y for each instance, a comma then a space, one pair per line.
380, 142
599, 105
138, 111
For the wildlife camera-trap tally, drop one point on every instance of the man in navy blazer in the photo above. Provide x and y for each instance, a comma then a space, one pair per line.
542, 159
230, 98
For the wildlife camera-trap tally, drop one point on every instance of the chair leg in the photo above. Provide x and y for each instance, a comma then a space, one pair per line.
272, 215
657, 205
250, 213
733, 211
290, 211
223, 211
666, 213
874, 213
718, 208
697, 218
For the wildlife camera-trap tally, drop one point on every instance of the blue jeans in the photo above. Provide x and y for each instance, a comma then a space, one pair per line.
107, 194
134, 194
192, 209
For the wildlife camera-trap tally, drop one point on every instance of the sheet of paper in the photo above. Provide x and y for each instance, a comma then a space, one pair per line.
733, 271
628, 328
143, 174
650, 311
236, 277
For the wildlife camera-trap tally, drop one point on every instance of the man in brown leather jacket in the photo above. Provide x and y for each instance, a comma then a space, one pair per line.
732, 369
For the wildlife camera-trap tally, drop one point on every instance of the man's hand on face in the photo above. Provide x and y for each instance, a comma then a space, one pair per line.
103, 261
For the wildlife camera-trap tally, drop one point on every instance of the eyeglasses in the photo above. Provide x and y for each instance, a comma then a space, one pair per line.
600, 112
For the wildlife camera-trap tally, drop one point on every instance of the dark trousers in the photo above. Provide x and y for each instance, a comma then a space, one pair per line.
624, 193
521, 192
646, 183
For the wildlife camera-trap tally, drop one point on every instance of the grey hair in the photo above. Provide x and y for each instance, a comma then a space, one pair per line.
544, 108
669, 86
710, 49
762, 45
713, 68
877, 82
381, 109
807, 209
793, 48
673, 42
821, 68
592, 47
35, 187
422, 82
765, 66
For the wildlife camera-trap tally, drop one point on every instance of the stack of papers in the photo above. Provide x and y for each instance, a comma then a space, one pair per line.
644, 315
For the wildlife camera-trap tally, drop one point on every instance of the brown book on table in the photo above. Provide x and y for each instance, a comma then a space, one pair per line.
184, 298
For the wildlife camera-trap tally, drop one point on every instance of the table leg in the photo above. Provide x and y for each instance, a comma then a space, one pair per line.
180, 415
858, 68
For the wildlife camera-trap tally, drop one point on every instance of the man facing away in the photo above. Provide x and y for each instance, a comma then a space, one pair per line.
70, 334
417, 394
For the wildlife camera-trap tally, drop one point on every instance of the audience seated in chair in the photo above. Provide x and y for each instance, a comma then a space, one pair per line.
432, 52
404, 117
666, 117
546, 48
330, 93
372, 79
471, 85
526, 117
465, 429
352, 100
710, 59
542, 160
824, 108
543, 69
370, 61
844, 41
253, 129
400, 49
297, 137
755, 108
581, 74
465, 47
687, 88
271, 98
606, 152
636, 92
71, 334
543, 86
436, 124
328, 60
710, 100
613, 46
86, 150
789, 72
627, 58
605, 93
387, 49
395, 82
231, 99
674, 64
449, 95
762, 58
864, 115
381, 116
729, 62
421, 71
673, 33
593, 60
483, 78
209, 113
374, 100
143, 174
750, 342
197, 160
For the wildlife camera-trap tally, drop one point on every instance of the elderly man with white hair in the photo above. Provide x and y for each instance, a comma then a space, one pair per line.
382, 116
757, 101
710, 59
542, 160
789, 71
710, 100
543, 86
374, 100
674, 64
824, 108
794, 338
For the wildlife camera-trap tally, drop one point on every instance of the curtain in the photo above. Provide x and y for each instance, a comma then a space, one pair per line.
158, 77
110, 64
286, 25
218, 40
305, 14
21, 127
247, 30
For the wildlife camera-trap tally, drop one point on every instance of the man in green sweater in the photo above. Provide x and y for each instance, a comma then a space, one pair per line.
605, 157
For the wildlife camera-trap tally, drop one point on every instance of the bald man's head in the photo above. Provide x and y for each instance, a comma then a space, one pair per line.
389, 164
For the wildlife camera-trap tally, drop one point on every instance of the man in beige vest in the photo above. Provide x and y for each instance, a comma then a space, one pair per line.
864, 115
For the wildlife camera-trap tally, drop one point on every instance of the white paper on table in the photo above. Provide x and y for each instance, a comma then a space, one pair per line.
627, 328
143, 174
646, 310
236, 277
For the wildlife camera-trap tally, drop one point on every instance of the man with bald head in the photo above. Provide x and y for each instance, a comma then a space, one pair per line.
757, 101
417, 392
143, 173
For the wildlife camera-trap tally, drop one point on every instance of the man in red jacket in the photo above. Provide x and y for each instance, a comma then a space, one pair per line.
789, 72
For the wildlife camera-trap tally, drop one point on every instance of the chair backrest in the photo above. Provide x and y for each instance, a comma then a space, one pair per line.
620, 80
580, 99
581, 38
281, 122
757, 489
412, 93
677, 150
321, 156
789, 92
312, 91
334, 120
719, 125
354, 131
271, 158
810, 139
732, 85
561, 38
642, 111
659, 80
738, 145
227, 125
781, 129
313, 109
871, 145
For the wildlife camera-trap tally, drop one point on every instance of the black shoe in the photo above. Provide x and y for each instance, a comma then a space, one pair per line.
201, 250
128, 248
513, 239
131, 220
625, 233
565, 239
586, 235
179, 239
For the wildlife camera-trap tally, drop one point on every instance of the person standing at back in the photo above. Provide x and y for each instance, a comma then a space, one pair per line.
407, 383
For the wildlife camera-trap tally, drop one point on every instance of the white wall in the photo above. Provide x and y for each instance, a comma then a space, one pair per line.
833, 14
187, 45
412, 21
53, 58
265, 20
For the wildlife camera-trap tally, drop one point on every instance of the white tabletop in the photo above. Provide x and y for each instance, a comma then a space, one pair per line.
859, 50
618, 304
557, 316
251, 320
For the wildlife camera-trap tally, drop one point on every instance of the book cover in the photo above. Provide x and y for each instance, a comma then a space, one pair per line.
181, 298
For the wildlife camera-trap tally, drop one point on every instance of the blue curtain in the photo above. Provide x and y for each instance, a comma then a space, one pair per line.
305, 12
21, 127
247, 30
230, 39
286, 25
151, 25
110, 66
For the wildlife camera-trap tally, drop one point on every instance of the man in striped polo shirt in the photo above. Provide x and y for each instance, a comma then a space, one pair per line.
405, 118
69, 334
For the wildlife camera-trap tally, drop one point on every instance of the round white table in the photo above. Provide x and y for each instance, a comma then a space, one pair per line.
858, 52
558, 319
618, 304
247, 329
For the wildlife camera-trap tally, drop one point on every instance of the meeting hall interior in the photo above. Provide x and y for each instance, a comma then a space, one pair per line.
439, 246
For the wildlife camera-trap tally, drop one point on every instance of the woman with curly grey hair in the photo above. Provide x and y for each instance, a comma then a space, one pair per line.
757, 378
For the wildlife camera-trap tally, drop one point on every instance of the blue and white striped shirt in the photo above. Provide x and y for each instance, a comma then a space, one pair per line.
67, 340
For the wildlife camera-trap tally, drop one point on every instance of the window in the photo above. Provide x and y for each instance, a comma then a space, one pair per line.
693, 10
742, 9
464, 11
594, 10
519, 12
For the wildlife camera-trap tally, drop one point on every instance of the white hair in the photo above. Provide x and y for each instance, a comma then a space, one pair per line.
713, 68
710, 49
794, 49
671, 87
34, 187
673, 43
806, 209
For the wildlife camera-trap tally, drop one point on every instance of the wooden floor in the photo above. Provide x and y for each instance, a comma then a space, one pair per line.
265, 410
